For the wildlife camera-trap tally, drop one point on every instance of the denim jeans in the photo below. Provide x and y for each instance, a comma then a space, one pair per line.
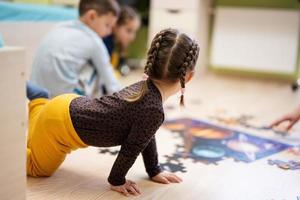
33, 91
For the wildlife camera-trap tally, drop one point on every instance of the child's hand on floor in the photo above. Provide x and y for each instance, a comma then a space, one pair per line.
166, 178
128, 188
291, 118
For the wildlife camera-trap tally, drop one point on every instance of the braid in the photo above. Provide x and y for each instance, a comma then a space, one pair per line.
148, 71
152, 54
170, 57
190, 60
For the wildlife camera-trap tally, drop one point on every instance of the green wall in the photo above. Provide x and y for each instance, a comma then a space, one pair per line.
287, 4
138, 48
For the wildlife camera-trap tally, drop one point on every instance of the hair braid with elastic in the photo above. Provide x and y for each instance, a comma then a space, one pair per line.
171, 56
153, 52
148, 71
189, 61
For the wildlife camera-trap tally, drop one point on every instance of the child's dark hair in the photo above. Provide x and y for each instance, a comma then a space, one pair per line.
171, 55
102, 7
126, 14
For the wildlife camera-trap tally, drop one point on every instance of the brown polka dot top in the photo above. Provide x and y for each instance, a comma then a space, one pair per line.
111, 121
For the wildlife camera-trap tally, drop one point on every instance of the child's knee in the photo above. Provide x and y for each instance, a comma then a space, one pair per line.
32, 170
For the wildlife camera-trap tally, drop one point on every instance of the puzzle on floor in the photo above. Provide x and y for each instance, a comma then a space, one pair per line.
292, 165
109, 151
209, 143
243, 121
170, 165
288, 159
174, 167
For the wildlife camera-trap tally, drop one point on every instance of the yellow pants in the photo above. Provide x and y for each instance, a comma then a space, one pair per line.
51, 135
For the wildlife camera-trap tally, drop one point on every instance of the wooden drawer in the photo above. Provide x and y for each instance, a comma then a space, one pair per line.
175, 5
184, 21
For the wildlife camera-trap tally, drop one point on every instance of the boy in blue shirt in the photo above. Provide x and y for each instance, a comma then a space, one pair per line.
65, 51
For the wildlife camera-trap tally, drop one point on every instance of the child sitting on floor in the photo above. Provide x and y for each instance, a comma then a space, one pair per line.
67, 49
123, 34
129, 118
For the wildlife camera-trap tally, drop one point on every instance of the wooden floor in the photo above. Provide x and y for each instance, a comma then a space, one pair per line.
83, 174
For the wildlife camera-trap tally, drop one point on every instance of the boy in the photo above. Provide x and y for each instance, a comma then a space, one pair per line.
68, 48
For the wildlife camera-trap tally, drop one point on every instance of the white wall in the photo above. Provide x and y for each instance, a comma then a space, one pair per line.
27, 35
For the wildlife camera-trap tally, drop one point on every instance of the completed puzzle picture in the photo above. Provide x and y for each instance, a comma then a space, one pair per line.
209, 143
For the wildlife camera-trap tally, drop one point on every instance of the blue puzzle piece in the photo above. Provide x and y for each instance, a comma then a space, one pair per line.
293, 165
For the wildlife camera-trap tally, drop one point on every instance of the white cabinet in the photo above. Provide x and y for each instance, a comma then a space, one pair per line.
183, 15
12, 124
189, 16
256, 40
180, 20
175, 4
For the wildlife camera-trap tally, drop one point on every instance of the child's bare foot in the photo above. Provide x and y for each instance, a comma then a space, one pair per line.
166, 178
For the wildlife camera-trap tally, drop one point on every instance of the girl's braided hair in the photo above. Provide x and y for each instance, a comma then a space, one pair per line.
170, 57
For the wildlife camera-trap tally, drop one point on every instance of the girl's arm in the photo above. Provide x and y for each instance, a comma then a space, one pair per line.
150, 158
153, 169
143, 129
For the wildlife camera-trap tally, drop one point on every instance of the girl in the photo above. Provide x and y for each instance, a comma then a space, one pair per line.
123, 34
128, 118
